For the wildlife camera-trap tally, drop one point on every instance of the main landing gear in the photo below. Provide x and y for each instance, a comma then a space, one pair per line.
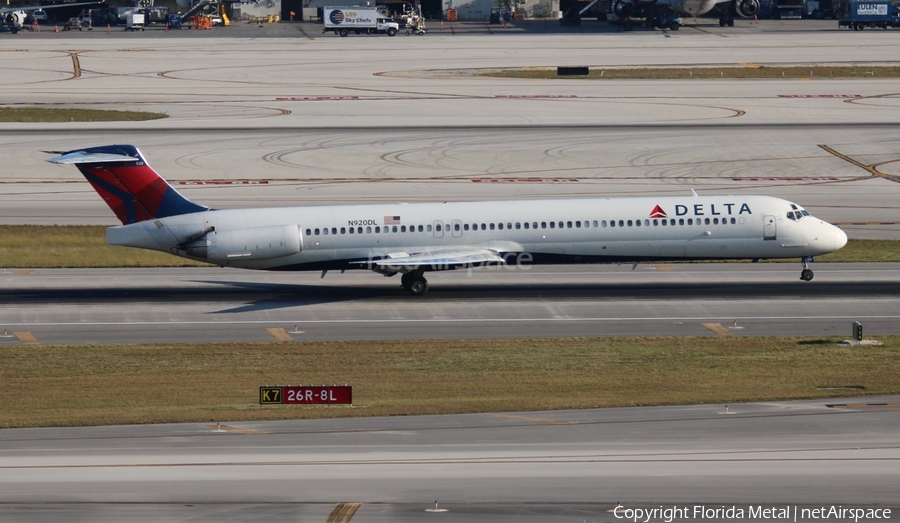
415, 283
806, 274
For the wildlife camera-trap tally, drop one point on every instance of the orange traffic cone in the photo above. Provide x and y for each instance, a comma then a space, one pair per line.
56, 29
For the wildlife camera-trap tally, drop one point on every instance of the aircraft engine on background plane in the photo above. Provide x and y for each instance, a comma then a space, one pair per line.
746, 8
623, 8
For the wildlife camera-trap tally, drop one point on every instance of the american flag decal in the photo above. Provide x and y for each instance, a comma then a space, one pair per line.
391, 220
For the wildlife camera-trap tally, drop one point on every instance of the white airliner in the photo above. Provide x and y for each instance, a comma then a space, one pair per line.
654, 10
14, 17
411, 239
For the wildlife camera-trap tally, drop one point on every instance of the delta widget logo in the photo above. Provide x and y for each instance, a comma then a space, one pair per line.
658, 212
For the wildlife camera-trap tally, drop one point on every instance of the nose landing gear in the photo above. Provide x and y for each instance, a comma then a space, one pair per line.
415, 283
806, 274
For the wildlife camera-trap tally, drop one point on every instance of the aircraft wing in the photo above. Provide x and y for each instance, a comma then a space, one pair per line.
458, 256
4, 10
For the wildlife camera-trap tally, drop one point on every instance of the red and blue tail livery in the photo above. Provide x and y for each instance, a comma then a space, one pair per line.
131, 188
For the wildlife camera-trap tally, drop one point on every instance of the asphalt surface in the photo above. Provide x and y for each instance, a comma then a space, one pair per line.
560, 466
272, 116
199, 304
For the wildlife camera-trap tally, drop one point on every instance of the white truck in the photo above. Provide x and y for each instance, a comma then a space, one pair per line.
359, 20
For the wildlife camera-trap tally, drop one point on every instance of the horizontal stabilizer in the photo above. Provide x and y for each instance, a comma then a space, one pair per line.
87, 157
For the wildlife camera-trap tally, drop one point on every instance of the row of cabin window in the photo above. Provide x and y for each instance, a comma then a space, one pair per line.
526, 225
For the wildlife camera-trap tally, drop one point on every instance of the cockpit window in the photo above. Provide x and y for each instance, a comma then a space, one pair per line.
790, 215
805, 213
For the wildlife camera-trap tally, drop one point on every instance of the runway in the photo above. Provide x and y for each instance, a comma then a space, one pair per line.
555, 466
200, 304
277, 118
287, 120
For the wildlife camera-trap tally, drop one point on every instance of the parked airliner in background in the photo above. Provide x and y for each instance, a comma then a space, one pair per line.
654, 10
411, 239
14, 17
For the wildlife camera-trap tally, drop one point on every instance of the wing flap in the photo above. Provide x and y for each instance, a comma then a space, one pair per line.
440, 258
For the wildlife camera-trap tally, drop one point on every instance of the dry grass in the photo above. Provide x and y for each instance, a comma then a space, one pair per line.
43, 114
87, 385
41, 247
38, 247
689, 73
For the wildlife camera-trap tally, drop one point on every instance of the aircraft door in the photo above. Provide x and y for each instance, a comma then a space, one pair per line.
438, 229
769, 228
457, 228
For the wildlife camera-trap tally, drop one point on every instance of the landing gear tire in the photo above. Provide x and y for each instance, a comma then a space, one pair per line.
806, 274
626, 25
674, 26
415, 283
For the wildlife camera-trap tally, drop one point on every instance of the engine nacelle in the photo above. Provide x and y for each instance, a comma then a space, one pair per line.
258, 243
623, 8
746, 8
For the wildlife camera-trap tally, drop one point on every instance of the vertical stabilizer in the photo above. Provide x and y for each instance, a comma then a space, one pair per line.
131, 188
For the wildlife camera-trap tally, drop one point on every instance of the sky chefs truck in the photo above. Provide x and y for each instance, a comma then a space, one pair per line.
359, 20
870, 14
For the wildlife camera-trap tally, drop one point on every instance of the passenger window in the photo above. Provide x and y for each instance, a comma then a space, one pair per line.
715, 221
378, 229
420, 228
483, 226
595, 223
568, 225
334, 230
500, 226
368, 230
665, 222
526, 225
656, 223
466, 227
552, 225
325, 231
455, 226
403, 228
543, 225
732, 221
560, 225
492, 226
428, 228
646, 223
394, 228
612, 223
343, 230
603, 223
706, 221
308, 232
518, 225
681, 221
534, 225
637, 222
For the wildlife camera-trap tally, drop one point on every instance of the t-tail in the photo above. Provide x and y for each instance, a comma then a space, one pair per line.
131, 188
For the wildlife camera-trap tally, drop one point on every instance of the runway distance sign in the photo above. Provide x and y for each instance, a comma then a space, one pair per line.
306, 395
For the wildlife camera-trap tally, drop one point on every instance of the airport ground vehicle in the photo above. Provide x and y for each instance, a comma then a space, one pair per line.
870, 14
358, 20
135, 22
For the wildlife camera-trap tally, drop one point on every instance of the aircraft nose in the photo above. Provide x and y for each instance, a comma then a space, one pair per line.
840, 238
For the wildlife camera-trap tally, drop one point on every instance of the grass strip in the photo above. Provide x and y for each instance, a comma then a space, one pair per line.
44, 114
110, 384
46, 247
689, 73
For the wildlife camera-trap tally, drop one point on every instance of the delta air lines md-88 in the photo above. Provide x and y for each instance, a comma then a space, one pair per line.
412, 239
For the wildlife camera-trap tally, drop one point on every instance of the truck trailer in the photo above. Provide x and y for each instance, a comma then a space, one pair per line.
870, 14
358, 20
